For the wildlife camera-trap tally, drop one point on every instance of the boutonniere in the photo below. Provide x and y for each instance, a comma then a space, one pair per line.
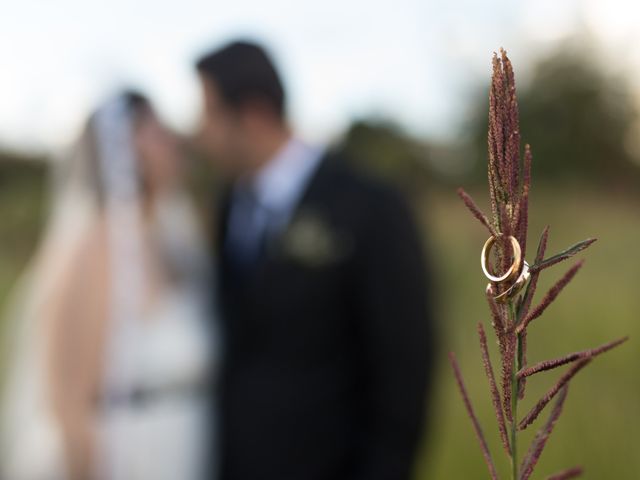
311, 241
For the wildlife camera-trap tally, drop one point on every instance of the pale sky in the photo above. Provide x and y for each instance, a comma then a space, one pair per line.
415, 61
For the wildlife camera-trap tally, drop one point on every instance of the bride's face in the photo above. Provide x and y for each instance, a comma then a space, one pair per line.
158, 151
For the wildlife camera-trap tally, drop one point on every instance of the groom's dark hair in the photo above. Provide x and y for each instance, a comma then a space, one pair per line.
244, 72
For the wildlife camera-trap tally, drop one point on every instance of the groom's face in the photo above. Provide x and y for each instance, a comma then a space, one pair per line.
223, 131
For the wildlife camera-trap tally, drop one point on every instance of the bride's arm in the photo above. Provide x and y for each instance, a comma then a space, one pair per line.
76, 337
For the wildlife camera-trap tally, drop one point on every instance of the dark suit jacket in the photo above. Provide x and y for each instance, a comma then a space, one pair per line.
328, 341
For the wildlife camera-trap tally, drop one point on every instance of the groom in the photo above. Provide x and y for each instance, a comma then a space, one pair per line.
328, 341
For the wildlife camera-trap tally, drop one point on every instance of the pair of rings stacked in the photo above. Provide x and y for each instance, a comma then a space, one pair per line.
514, 278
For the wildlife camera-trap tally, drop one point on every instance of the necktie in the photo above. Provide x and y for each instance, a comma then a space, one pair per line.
247, 228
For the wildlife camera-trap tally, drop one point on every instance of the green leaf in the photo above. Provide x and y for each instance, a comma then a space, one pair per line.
564, 255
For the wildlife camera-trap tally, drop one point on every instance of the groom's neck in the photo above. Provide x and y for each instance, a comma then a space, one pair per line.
265, 147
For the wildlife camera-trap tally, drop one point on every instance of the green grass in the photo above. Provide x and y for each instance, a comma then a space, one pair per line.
600, 424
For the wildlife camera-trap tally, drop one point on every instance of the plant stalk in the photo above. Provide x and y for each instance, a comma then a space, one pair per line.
514, 393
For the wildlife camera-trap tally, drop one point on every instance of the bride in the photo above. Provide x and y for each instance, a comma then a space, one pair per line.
108, 378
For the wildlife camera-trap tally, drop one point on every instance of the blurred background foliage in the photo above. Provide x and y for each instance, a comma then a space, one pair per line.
582, 124
383, 148
23, 195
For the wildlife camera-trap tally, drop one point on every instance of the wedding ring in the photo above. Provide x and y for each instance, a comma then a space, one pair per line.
514, 289
513, 270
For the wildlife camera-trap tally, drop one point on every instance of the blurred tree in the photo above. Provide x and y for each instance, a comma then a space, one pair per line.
23, 181
387, 151
576, 117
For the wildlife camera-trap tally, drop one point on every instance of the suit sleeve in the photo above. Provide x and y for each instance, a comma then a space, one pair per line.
396, 338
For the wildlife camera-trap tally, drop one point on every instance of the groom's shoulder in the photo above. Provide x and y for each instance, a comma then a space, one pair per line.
347, 182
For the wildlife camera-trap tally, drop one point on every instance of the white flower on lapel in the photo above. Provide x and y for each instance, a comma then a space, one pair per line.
311, 241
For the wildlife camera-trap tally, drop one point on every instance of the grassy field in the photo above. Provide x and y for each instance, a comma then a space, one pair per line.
600, 425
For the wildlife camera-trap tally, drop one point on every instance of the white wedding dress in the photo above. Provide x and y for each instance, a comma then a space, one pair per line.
160, 429
156, 421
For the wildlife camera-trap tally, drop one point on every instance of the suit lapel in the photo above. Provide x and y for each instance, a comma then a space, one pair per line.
271, 259
310, 201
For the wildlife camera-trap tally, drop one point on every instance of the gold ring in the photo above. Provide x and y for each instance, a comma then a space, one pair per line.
514, 289
513, 270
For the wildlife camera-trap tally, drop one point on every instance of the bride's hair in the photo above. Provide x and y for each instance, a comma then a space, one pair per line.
84, 169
